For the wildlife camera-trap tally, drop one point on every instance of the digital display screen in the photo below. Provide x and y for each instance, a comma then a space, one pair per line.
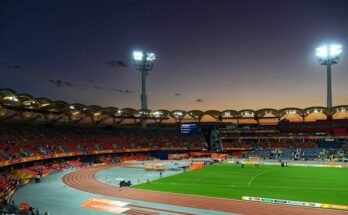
189, 129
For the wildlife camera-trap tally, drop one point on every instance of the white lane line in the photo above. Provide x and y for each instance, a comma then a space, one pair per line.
253, 178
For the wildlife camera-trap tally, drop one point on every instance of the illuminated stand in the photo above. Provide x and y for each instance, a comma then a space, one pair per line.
143, 62
329, 55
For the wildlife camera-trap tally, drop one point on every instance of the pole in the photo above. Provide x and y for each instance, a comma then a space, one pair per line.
143, 90
329, 87
143, 95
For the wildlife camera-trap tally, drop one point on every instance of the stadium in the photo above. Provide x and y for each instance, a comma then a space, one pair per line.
177, 107
174, 167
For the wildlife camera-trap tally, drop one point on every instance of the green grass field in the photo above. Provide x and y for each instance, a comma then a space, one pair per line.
312, 184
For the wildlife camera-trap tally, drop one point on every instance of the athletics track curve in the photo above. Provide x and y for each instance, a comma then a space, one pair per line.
85, 180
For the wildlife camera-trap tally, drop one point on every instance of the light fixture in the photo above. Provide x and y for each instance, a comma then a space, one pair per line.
138, 55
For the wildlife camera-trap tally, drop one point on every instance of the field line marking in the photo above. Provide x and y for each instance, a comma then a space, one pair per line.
255, 176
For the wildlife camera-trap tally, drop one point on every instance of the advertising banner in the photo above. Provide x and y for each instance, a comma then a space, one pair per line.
282, 201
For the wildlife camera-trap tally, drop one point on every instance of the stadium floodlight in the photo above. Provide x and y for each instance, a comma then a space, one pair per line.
150, 57
138, 55
335, 50
331, 51
329, 55
143, 62
321, 51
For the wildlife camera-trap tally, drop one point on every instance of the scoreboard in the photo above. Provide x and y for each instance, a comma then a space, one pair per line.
189, 129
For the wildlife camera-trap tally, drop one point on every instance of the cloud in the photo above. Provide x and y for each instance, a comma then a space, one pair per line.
67, 84
128, 91
115, 89
17, 67
122, 91
56, 82
12, 66
117, 63
60, 83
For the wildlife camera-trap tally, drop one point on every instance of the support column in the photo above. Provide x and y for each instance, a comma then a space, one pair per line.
329, 86
143, 95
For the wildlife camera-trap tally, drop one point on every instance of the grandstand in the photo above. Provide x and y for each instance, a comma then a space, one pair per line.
323, 139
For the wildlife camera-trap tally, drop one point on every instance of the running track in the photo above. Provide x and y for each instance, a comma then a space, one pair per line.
85, 180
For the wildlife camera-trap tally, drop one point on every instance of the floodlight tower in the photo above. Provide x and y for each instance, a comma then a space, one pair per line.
329, 55
143, 62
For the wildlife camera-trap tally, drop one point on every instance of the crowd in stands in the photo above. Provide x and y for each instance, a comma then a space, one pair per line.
320, 154
290, 149
269, 144
28, 139
8, 184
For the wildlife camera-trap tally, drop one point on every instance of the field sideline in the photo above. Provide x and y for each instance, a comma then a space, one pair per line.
311, 184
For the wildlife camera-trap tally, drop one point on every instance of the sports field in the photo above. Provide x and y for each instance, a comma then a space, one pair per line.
311, 184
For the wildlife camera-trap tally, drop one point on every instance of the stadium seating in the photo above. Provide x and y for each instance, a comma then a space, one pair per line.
30, 139
20, 140
8, 184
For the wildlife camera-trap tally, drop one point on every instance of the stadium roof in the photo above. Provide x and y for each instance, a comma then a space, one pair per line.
12, 100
